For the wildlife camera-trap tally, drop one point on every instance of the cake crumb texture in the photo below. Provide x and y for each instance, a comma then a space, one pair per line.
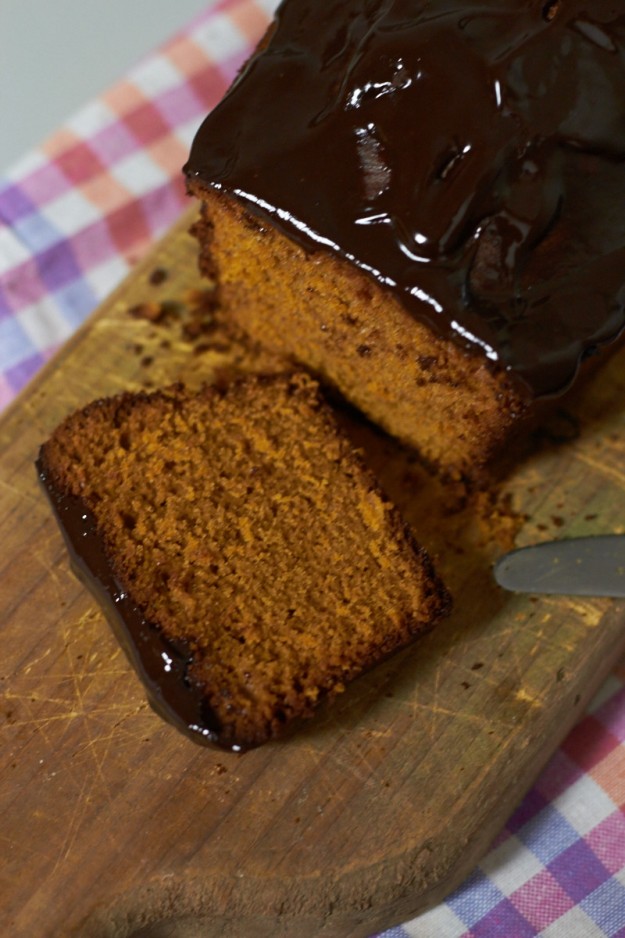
243, 523
318, 312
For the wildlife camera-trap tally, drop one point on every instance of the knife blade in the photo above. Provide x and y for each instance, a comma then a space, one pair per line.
577, 566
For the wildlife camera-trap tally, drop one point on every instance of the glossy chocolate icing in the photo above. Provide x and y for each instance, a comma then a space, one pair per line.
162, 665
468, 155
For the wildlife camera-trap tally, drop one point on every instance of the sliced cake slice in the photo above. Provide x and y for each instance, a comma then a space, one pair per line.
246, 557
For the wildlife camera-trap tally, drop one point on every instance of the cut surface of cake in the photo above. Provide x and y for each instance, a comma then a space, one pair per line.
245, 556
422, 203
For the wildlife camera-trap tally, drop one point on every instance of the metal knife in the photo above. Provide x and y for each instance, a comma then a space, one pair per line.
577, 566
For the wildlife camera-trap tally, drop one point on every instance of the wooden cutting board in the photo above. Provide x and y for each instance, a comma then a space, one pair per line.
112, 824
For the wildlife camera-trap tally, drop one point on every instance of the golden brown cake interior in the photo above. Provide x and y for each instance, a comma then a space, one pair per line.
244, 524
325, 314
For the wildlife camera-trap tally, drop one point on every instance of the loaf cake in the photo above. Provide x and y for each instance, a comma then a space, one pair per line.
422, 203
246, 557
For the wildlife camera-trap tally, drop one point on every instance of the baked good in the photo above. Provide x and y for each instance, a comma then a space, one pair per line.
422, 203
245, 555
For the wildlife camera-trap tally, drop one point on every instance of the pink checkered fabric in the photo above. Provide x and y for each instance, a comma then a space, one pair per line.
75, 215
78, 212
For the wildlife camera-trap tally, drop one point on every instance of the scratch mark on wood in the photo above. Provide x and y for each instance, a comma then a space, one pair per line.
602, 468
21, 493
79, 809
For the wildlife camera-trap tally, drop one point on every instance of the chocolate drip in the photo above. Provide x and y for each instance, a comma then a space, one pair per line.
162, 665
468, 155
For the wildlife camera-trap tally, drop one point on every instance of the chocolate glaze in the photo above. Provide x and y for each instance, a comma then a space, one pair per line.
468, 155
162, 665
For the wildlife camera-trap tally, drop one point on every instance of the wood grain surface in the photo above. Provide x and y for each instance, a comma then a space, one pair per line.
112, 824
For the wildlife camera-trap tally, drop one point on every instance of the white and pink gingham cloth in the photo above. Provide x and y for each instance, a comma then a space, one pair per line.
75, 215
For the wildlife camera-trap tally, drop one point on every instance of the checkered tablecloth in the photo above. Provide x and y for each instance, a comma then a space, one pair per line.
75, 215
